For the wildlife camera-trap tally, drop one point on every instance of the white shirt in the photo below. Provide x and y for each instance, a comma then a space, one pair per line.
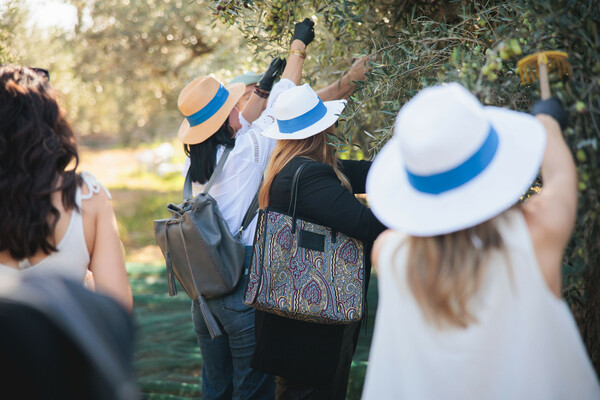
525, 344
235, 188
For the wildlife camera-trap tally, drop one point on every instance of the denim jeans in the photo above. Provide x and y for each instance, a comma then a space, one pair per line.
226, 372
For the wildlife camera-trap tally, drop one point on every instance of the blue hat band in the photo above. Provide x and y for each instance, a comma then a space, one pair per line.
458, 176
303, 121
210, 109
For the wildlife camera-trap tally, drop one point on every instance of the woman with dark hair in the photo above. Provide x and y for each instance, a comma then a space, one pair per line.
53, 218
213, 124
312, 360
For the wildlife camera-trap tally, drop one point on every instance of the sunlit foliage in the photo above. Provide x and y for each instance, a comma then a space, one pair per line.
415, 44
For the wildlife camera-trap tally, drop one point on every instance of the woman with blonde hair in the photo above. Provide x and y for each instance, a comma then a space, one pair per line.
470, 302
312, 360
54, 219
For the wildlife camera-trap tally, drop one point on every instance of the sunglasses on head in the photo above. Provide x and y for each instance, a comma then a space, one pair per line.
44, 73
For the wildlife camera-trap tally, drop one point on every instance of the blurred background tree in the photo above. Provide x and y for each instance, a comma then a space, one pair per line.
123, 64
10, 17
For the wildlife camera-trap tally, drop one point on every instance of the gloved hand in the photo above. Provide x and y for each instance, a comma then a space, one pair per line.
554, 108
273, 72
304, 31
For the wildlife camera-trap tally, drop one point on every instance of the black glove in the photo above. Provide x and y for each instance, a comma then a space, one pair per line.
304, 31
273, 72
554, 108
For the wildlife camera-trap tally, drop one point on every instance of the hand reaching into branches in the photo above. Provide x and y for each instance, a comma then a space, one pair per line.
273, 72
304, 31
358, 69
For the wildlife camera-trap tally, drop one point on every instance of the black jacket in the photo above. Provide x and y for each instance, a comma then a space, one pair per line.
316, 354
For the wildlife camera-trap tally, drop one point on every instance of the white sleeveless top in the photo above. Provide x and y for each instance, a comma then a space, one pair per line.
72, 258
525, 346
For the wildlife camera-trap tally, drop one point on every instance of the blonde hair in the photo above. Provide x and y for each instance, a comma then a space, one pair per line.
314, 147
444, 272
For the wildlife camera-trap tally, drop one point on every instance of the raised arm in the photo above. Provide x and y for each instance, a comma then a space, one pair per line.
258, 99
304, 33
345, 86
551, 214
292, 70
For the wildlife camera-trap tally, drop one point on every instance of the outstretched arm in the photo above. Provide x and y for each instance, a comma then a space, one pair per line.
551, 214
345, 86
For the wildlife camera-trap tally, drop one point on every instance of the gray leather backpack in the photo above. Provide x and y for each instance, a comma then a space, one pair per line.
199, 250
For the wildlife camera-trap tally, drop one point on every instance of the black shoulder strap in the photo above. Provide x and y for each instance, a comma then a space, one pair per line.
294, 194
187, 186
251, 212
294, 189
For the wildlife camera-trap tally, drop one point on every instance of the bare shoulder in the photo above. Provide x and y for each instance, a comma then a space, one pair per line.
95, 197
379, 243
547, 220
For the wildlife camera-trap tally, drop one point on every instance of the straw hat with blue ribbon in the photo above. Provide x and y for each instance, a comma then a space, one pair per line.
206, 103
453, 163
299, 113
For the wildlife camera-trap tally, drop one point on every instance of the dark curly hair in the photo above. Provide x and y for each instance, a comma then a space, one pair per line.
38, 156
203, 156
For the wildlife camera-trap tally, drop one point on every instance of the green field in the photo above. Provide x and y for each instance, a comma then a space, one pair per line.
167, 358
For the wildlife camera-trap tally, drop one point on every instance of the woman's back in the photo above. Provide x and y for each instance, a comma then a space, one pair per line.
519, 347
288, 347
73, 236
322, 198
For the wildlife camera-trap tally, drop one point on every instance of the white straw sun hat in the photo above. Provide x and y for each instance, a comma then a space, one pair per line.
299, 113
453, 163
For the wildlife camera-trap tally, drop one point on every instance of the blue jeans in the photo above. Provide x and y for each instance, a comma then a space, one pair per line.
226, 372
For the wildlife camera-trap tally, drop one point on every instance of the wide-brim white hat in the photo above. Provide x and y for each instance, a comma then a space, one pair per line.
453, 163
299, 113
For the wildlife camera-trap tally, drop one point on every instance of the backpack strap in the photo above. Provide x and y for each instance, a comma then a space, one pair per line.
252, 208
251, 212
187, 186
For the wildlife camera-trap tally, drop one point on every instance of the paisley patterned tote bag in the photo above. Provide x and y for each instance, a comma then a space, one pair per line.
303, 270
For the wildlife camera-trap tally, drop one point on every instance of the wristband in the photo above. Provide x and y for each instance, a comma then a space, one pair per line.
298, 53
554, 108
261, 93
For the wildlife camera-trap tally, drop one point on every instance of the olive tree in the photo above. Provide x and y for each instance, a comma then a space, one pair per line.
414, 44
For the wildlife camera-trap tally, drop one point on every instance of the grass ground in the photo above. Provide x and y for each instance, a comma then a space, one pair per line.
167, 358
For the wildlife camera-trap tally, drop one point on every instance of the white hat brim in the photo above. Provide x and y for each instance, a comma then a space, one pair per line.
521, 146
334, 109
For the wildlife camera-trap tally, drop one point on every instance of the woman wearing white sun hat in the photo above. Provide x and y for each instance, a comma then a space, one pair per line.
311, 360
213, 122
470, 300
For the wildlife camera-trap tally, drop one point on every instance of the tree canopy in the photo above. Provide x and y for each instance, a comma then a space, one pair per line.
414, 44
